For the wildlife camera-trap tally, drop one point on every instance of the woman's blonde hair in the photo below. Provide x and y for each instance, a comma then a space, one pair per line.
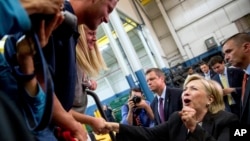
89, 60
213, 89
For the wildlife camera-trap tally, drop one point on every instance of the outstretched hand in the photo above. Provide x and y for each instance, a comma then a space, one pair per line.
111, 126
98, 126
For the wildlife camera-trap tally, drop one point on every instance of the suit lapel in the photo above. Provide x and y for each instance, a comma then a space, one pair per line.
166, 104
229, 76
212, 73
217, 78
208, 123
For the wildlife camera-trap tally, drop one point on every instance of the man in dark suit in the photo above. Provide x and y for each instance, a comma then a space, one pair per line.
206, 71
237, 52
171, 97
231, 81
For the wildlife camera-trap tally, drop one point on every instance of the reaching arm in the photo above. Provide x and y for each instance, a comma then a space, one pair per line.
127, 115
25, 52
66, 121
149, 111
97, 124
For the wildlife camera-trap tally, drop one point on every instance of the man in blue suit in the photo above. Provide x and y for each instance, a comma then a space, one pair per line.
231, 81
206, 71
171, 97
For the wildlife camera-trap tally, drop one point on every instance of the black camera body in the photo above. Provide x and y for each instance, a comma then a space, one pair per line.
70, 20
136, 99
65, 30
68, 27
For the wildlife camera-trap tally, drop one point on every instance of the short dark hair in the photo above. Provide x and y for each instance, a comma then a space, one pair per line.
214, 60
135, 89
238, 38
203, 63
157, 71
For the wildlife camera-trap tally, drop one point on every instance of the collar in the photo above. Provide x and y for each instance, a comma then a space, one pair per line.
163, 94
247, 71
208, 73
225, 71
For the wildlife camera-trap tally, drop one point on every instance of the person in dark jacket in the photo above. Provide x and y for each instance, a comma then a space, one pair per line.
231, 81
206, 71
201, 118
237, 52
171, 97
109, 113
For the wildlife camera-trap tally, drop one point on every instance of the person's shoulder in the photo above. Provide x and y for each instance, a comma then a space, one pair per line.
227, 113
175, 90
215, 77
233, 69
226, 117
174, 117
125, 106
154, 101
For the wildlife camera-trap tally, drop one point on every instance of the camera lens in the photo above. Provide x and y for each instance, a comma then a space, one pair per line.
136, 99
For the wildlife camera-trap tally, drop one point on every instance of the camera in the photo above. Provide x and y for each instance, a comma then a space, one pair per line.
136, 99
68, 27
70, 20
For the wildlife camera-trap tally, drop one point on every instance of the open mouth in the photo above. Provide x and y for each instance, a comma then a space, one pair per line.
187, 101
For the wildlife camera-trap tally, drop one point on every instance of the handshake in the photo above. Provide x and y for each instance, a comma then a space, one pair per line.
105, 127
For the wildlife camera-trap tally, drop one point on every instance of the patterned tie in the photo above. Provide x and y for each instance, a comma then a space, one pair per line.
161, 108
244, 82
225, 85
